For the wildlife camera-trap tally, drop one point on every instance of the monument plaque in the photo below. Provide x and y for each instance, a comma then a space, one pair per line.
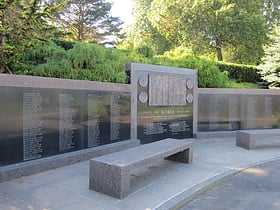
167, 90
163, 102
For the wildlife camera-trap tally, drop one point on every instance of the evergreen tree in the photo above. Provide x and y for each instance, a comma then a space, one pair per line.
21, 23
90, 21
270, 67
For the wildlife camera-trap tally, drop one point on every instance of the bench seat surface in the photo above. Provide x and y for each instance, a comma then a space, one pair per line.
110, 174
247, 138
262, 131
146, 152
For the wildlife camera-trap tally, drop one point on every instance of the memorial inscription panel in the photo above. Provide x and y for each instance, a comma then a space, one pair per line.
32, 126
94, 103
108, 118
40, 122
115, 121
67, 129
221, 112
268, 112
165, 106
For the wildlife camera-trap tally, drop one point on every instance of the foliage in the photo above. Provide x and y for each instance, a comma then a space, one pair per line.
241, 85
89, 20
241, 73
270, 67
21, 24
146, 51
67, 45
212, 73
234, 30
95, 62
83, 62
142, 32
208, 72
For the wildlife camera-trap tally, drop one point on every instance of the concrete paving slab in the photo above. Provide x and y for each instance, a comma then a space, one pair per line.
162, 185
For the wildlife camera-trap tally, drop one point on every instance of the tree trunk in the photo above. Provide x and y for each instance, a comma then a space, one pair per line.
219, 50
219, 54
2, 45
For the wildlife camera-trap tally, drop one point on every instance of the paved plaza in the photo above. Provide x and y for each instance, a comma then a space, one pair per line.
162, 185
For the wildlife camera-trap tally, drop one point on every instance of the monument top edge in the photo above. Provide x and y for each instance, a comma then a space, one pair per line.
159, 68
50, 82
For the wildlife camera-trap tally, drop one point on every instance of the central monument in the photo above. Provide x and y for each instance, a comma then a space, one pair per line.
163, 102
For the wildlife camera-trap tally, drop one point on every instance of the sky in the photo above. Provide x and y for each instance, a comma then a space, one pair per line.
122, 9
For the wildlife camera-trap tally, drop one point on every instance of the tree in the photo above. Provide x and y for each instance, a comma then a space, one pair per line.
235, 30
89, 20
270, 67
142, 32
21, 23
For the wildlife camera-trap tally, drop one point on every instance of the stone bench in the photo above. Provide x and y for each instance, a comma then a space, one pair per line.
110, 174
247, 138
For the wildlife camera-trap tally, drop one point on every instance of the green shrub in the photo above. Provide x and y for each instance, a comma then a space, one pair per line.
241, 73
146, 51
43, 52
86, 56
66, 45
83, 62
208, 72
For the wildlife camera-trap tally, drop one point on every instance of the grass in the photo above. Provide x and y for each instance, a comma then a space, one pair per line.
244, 85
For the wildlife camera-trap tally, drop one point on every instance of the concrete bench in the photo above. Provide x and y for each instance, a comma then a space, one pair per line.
247, 138
110, 174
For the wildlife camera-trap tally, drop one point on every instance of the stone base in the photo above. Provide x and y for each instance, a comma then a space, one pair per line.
35, 166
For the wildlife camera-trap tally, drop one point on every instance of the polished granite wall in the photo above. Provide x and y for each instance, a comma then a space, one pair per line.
237, 109
42, 117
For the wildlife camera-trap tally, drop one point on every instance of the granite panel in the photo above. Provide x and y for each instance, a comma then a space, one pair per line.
237, 109
44, 117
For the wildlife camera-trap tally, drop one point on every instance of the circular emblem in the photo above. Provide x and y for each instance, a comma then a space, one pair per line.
190, 98
189, 84
143, 81
143, 97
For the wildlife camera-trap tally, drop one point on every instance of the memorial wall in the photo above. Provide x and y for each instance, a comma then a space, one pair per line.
41, 117
163, 102
238, 109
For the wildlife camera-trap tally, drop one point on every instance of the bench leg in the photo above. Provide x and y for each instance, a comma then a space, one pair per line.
245, 140
185, 156
108, 179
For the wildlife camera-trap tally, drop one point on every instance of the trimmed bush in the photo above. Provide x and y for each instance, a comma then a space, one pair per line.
241, 73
